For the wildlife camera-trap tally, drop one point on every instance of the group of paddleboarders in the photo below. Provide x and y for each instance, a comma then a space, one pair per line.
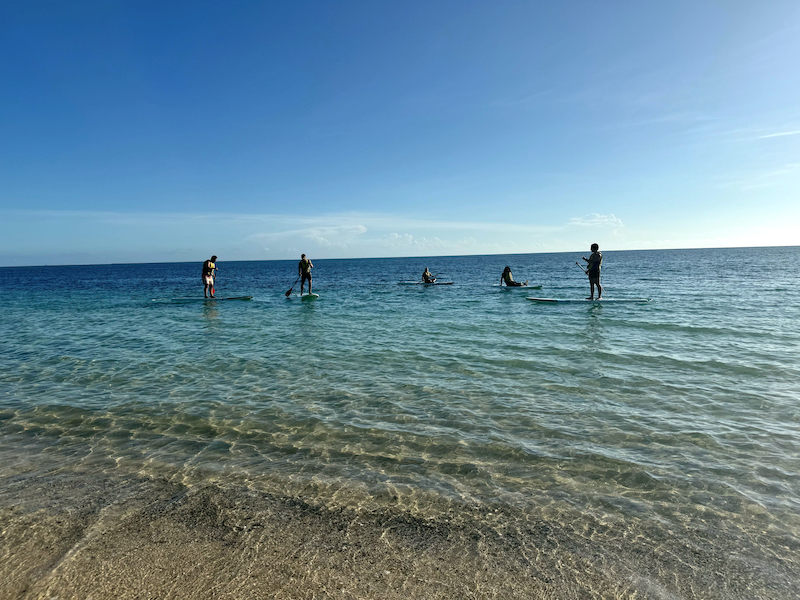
592, 269
210, 270
304, 267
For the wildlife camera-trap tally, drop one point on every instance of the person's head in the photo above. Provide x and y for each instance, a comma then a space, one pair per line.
595, 247
507, 269
302, 256
213, 258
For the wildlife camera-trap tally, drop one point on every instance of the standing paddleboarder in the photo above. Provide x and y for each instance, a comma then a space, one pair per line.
209, 271
593, 271
304, 271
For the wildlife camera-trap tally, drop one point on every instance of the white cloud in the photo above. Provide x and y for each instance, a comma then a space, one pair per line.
596, 220
781, 134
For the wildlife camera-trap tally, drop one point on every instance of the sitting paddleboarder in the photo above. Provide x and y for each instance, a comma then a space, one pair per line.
593, 271
427, 277
304, 271
209, 271
508, 279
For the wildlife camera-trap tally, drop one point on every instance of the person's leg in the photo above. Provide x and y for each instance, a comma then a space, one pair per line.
595, 283
309, 284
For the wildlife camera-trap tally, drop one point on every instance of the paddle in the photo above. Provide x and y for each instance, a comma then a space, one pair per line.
581, 266
289, 293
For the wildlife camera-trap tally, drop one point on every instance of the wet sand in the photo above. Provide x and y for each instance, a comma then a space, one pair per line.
89, 535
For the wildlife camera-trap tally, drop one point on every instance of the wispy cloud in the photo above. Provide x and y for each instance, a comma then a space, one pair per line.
763, 179
781, 134
146, 236
336, 236
596, 220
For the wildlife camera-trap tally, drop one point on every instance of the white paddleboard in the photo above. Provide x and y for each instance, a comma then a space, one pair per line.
524, 286
308, 296
193, 299
585, 301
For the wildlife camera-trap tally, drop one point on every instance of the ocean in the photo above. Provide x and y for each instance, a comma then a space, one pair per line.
408, 441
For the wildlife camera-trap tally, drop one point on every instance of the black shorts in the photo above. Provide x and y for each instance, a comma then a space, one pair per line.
304, 277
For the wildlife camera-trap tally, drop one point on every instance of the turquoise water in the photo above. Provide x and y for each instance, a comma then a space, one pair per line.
672, 425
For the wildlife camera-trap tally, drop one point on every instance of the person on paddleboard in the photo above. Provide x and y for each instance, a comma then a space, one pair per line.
593, 271
304, 272
508, 279
209, 271
427, 277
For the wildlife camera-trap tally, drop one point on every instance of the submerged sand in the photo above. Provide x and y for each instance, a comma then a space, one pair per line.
84, 535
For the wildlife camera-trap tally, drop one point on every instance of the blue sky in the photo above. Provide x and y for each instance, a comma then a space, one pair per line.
168, 131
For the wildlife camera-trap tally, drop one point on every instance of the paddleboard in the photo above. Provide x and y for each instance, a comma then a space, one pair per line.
524, 286
308, 296
202, 299
602, 301
423, 283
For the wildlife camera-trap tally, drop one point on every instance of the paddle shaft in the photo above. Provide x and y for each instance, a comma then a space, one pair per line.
291, 288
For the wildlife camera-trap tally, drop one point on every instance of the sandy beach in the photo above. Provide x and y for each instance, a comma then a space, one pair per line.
84, 535
80, 537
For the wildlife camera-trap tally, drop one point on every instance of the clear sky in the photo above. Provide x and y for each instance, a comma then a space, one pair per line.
168, 131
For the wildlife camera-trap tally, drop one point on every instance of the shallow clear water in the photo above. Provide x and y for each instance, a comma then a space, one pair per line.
679, 417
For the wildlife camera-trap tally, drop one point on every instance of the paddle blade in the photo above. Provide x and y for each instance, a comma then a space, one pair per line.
288, 293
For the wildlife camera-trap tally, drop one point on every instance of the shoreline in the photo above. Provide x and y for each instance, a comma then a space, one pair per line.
83, 534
